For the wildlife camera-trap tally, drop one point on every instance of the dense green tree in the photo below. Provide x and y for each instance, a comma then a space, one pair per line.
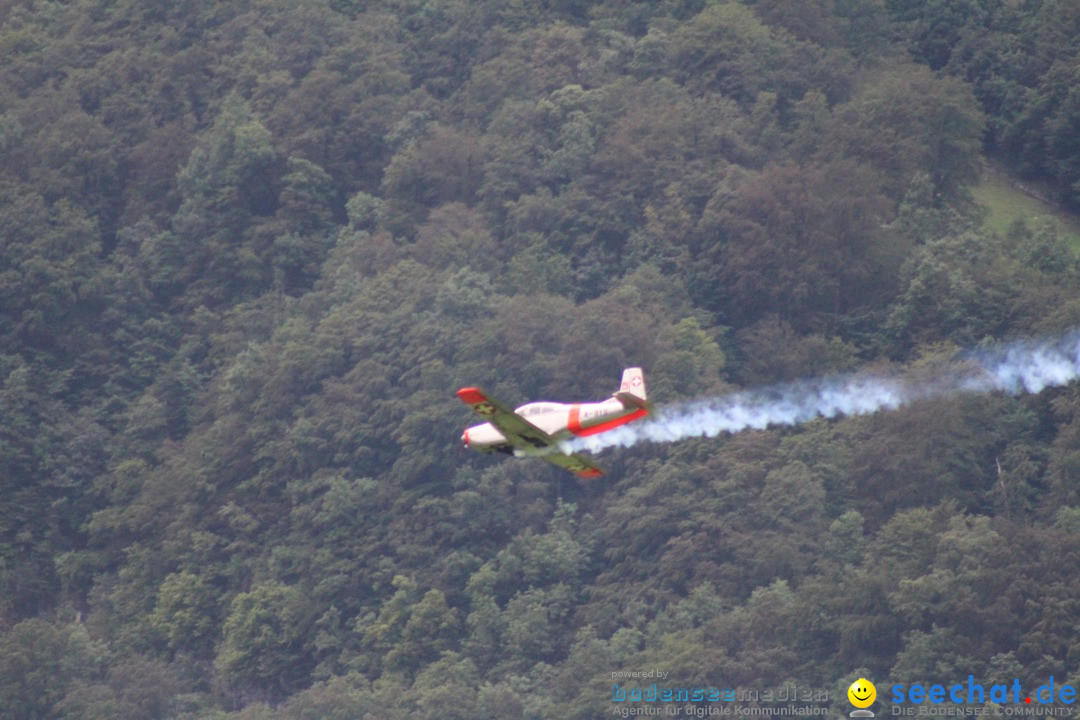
799, 242
432, 628
726, 48
909, 120
266, 644
39, 661
443, 166
50, 260
956, 285
186, 614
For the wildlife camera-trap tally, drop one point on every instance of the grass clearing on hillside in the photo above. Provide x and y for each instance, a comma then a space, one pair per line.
1006, 202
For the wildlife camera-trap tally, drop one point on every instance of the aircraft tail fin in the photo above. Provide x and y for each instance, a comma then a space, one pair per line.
632, 390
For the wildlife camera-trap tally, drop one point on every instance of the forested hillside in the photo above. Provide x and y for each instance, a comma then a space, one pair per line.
251, 249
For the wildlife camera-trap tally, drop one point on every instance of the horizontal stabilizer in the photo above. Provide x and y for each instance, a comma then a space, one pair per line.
631, 400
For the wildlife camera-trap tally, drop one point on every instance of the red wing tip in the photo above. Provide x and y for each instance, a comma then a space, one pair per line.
590, 473
471, 395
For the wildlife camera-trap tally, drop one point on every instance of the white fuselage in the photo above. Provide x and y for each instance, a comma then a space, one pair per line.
559, 420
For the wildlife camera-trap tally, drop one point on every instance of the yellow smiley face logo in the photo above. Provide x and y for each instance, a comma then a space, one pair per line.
862, 693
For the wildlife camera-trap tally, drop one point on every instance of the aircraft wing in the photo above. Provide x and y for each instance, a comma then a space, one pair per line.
523, 434
576, 463
520, 432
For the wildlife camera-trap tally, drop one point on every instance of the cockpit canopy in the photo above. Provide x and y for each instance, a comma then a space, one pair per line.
538, 408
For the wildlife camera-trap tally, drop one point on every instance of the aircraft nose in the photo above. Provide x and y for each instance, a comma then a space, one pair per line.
465, 438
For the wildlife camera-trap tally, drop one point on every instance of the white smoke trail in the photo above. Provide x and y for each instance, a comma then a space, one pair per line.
1014, 369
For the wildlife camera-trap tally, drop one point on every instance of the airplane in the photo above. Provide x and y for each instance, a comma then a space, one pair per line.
536, 429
